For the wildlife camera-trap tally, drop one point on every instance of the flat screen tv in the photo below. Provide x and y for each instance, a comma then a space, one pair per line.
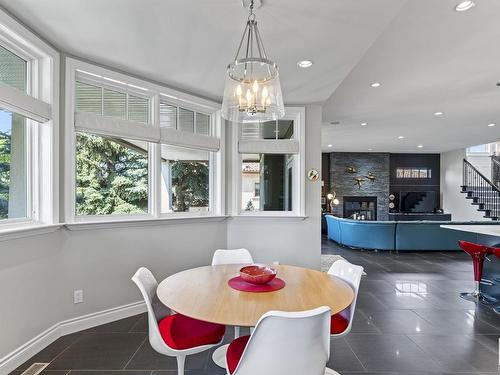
417, 201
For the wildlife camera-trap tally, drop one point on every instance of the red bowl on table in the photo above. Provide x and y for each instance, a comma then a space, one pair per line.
258, 274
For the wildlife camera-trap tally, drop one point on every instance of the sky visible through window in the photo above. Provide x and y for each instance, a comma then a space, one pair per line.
5, 122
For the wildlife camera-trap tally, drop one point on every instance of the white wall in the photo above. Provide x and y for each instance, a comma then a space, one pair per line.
38, 274
287, 240
452, 201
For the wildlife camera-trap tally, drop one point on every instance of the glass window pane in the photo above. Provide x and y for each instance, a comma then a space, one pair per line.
281, 129
115, 104
88, 98
186, 120
285, 129
185, 182
267, 182
168, 116
13, 166
202, 124
111, 175
13, 69
138, 109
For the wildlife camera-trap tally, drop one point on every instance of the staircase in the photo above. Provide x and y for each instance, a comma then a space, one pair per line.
483, 193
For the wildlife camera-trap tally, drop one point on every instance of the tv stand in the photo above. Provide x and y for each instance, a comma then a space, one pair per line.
410, 216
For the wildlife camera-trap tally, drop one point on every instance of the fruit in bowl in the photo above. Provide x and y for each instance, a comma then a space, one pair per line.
258, 274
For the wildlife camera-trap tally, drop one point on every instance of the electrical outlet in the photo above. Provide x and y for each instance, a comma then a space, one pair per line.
77, 296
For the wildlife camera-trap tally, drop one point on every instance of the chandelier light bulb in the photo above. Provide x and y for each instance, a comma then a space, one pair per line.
238, 90
264, 93
255, 86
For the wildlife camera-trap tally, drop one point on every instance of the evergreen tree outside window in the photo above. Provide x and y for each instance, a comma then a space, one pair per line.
111, 175
185, 179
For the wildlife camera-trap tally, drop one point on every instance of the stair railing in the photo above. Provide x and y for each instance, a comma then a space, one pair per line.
484, 192
495, 170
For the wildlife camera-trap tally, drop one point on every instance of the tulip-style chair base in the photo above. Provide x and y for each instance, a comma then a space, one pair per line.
219, 356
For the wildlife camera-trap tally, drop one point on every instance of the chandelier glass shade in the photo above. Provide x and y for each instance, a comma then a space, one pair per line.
252, 92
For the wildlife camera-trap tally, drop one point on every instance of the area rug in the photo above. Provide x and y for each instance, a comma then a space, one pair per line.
328, 260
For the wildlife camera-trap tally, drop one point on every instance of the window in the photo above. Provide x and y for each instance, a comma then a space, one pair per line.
269, 164
28, 92
91, 98
185, 179
13, 70
279, 129
267, 182
179, 118
413, 173
111, 175
13, 166
128, 162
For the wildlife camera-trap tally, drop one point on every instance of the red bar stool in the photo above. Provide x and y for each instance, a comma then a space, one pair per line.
495, 250
478, 253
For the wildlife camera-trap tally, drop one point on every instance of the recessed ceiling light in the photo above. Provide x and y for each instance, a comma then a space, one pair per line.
376, 84
439, 113
370, 149
420, 146
491, 125
329, 145
364, 123
401, 137
464, 5
305, 64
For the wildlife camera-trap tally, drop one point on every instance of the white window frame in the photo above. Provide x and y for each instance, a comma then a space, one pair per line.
153, 92
297, 114
40, 106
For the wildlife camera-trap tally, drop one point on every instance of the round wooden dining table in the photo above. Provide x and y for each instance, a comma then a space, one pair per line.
203, 293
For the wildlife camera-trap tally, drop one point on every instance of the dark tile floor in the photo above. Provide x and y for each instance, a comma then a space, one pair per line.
409, 321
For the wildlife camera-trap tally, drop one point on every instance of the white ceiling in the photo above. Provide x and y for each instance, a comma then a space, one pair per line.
431, 58
187, 44
428, 57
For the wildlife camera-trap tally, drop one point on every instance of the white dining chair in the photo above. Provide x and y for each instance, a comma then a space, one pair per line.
234, 256
174, 335
291, 343
341, 323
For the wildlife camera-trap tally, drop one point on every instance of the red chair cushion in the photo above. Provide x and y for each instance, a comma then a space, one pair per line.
180, 332
338, 324
235, 351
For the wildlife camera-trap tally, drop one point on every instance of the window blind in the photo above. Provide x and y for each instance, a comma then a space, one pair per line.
268, 146
110, 126
104, 101
17, 101
12, 69
202, 124
168, 116
138, 109
186, 120
185, 139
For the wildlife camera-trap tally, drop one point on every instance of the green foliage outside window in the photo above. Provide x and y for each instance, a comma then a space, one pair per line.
5, 148
190, 182
111, 176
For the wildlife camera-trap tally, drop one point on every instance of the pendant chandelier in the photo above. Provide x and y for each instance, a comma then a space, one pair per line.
253, 91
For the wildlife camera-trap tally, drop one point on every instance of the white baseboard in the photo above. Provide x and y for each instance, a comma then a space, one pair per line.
20, 355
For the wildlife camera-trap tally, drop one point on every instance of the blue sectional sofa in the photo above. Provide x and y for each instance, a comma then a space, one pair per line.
398, 235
